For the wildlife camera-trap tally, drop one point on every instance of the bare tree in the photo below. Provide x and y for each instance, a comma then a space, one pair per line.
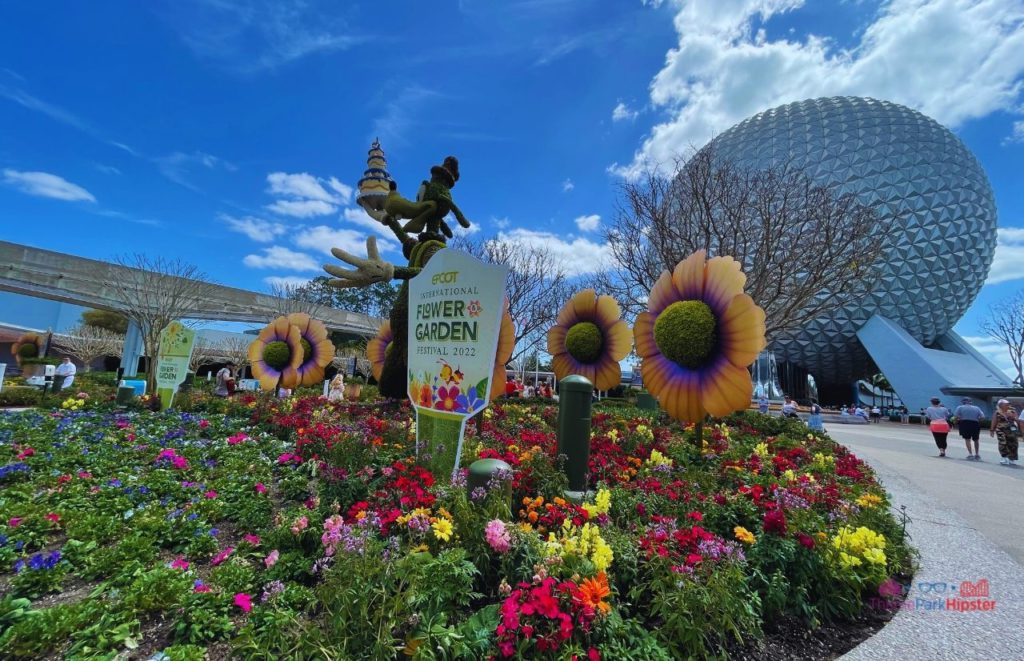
1005, 324
153, 292
803, 245
537, 286
294, 298
88, 343
204, 352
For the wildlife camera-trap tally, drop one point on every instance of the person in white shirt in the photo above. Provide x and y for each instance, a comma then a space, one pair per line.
225, 381
67, 370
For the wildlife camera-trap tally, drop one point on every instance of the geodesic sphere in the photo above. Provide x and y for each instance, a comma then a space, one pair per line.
905, 165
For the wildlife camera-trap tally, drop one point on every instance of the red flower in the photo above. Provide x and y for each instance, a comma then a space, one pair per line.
52, 516
775, 522
805, 540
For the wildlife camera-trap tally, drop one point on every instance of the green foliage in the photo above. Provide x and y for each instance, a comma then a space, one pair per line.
277, 354
38, 361
111, 321
685, 333
307, 349
20, 396
28, 350
584, 342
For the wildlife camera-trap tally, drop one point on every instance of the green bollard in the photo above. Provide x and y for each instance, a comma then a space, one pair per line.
125, 395
575, 394
646, 402
482, 470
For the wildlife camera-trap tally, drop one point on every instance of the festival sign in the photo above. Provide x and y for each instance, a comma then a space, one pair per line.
173, 356
455, 308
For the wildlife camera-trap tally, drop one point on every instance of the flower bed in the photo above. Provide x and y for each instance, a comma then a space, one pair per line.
307, 529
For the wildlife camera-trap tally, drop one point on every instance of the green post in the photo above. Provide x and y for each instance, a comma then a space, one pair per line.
574, 401
646, 402
482, 470
125, 395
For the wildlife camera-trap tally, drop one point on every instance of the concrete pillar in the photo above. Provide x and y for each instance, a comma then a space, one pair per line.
132, 349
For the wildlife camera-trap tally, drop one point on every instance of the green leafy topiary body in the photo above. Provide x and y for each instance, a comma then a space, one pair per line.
307, 350
277, 354
28, 351
685, 333
584, 342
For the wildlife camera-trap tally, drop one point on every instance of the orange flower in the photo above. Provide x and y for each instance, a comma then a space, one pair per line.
377, 349
425, 396
506, 344
594, 590
698, 336
589, 339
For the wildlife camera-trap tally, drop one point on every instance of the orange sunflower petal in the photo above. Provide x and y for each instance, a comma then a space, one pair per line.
323, 352
255, 353
497, 382
663, 294
267, 381
294, 340
643, 335
289, 378
723, 281
556, 339
561, 365
741, 331
506, 340
725, 388
618, 339
280, 327
688, 276
585, 304
300, 319
607, 373
606, 312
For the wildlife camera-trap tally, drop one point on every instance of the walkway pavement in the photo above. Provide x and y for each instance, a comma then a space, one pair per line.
967, 522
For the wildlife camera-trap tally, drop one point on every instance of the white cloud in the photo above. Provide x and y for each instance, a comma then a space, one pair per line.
302, 195
298, 186
578, 256
288, 281
107, 169
500, 223
177, 166
256, 229
995, 351
279, 257
567, 186
588, 223
44, 184
322, 238
302, 208
622, 112
954, 60
358, 217
1016, 133
1006, 264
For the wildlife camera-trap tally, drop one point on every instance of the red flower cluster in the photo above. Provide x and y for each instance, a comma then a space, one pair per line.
679, 545
775, 522
545, 615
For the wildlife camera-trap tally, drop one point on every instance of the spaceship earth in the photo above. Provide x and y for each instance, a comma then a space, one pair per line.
907, 166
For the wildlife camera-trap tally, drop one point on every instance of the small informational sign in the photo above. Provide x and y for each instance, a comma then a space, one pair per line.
176, 344
3, 370
455, 308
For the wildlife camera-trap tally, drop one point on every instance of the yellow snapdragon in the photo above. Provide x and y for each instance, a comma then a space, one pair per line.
658, 459
601, 505
761, 450
584, 542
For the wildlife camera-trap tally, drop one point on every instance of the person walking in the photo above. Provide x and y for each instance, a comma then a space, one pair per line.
65, 374
225, 381
876, 414
814, 421
762, 404
968, 423
1006, 427
938, 422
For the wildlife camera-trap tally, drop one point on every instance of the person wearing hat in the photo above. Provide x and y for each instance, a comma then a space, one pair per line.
938, 422
225, 381
1006, 427
968, 422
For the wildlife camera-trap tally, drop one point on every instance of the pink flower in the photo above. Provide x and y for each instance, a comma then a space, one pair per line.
211, 494
497, 536
203, 424
27, 452
300, 524
252, 539
14, 521
236, 438
85, 475
243, 601
169, 453
260, 488
53, 516
288, 456
271, 558
199, 586
179, 563
181, 463
222, 556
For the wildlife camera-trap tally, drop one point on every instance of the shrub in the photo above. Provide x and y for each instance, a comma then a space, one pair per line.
20, 396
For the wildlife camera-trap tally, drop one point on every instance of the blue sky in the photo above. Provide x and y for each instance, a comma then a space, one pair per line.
231, 133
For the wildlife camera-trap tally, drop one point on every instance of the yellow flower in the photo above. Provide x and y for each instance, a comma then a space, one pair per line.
658, 459
602, 503
761, 450
789, 475
442, 529
869, 500
743, 535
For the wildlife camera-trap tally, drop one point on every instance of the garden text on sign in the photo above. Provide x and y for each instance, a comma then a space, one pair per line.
455, 308
176, 344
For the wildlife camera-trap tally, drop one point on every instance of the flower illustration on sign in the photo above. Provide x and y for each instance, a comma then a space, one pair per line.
474, 308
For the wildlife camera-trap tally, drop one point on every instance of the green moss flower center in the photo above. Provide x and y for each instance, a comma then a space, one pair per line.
584, 342
307, 350
277, 354
28, 350
686, 333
